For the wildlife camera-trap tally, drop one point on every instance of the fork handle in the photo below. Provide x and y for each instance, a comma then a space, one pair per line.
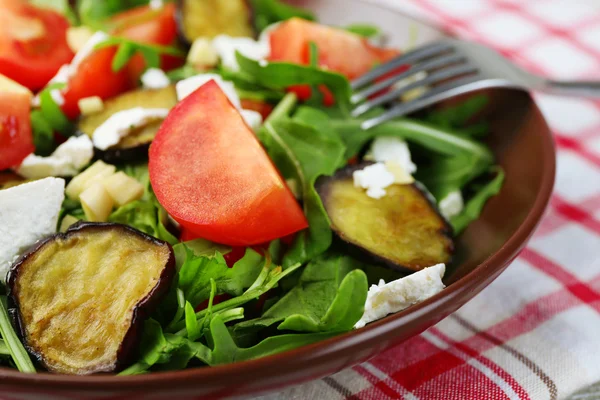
572, 88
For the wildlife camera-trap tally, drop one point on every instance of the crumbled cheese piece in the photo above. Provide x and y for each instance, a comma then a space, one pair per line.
187, 86
121, 123
452, 204
375, 178
77, 37
57, 97
28, 213
226, 47
90, 105
155, 78
389, 148
67, 160
202, 53
389, 298
156, 4
253, 119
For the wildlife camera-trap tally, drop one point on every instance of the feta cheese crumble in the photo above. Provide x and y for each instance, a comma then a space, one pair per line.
389, 148
69, 70
121, 123
226, 47
452, 204
388, 298
67, 160
156, 4
28, 213
155, 78
375, 178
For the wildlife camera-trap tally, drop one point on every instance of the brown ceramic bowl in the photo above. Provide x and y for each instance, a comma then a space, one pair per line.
523, 146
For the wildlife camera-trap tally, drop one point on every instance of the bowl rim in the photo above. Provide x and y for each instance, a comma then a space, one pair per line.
338, 345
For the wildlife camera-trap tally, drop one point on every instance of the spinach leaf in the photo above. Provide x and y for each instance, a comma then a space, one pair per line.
475, 204
330, 296
267, 12
457, 116
364, 30
43, 134
52, 113
304, 153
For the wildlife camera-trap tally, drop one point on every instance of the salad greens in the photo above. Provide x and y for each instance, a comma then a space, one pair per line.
128, 48
268, 12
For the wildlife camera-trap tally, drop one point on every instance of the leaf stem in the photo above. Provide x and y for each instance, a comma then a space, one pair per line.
15, 347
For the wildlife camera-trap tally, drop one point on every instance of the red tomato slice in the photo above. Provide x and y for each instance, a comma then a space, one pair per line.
146, 25
33, 43
339, 50
213, 177
94, 77
259, 106
16, 141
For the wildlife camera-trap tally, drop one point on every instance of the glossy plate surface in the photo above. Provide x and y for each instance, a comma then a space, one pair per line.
522, 144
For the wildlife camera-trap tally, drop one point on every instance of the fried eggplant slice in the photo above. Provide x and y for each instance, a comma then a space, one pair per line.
134, 146
81, 297
209, 18
402, 230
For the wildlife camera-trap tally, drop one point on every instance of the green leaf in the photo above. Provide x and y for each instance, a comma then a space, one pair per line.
457, 116
226, 351
278, 75
53, 114
94, 13
199, 247
128, 48
475, 204
17, 351
43, 134
61, 6
303, 153
191, 323
330, 296
124, 53
267, 12
364, 30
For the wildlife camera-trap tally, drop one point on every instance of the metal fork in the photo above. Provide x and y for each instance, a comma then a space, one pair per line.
452, 67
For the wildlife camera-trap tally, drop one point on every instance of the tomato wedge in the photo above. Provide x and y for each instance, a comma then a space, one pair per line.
16, 141
33, 43
211, 174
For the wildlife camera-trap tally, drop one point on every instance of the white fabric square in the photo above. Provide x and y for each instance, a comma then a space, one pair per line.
568, 116
563, 13
576, 178
496, 26
574, 247
560, 58
461, 9
591, 36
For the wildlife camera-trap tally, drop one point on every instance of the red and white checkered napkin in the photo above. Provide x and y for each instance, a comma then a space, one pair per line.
535, 332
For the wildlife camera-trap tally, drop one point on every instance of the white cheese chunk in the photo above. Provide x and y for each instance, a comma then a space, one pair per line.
156, 4
187, 86
77, 37
252, 118
155, 78
227, 46
28, 213
375, 178
90, 105
121, 123
67, 160
389, 298
202, 53
389, 148
452, 204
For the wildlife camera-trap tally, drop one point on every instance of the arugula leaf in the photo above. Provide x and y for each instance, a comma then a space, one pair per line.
364, 30
457, 116
304, 153
61, 6
267, 12
128, 48
52, 113
329, 296
226, 351
279, 75
474, 205
15, 347
94, 13
197, 272
43, 134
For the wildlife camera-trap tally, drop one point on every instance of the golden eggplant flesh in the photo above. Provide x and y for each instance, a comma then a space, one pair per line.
81, 296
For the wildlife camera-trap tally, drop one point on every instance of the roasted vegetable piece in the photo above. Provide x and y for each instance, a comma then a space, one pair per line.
209, 18
133, 147
402, 230
81, 297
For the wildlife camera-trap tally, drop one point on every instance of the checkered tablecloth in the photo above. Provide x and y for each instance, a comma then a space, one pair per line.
535, 332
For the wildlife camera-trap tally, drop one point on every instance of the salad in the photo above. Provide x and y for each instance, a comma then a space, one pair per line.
183, 185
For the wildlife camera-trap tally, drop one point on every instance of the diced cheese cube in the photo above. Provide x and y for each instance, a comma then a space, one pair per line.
155, 78
123, 188
67, 221
388, 298
28, 213
8, 85
202, 53
452, 204
90, 105
96, 203
94, 174
77, 37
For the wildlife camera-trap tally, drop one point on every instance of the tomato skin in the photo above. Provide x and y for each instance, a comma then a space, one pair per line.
16, 141
94, 77
211, 174
261, 107
33, 62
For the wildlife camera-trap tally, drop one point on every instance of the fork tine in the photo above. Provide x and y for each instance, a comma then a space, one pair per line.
434, 63
436, 77
436, 95
407, 58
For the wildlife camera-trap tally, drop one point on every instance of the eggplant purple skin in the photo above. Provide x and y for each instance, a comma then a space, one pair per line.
127, 155
362, 254
141, 312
